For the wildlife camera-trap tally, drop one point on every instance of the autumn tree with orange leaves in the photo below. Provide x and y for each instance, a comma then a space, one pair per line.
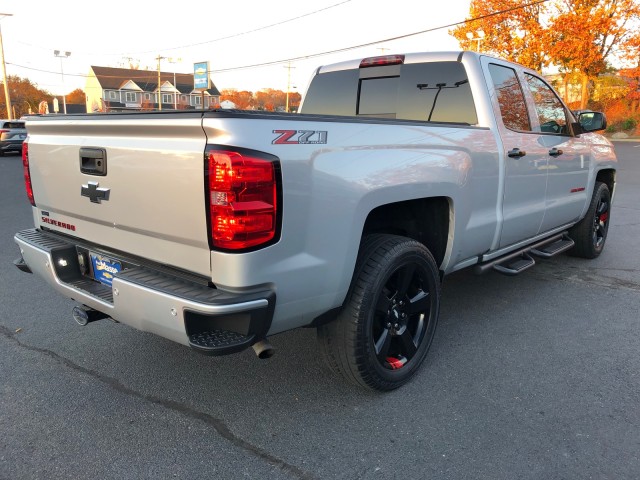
77, 97
585, 33
241, 99
25, 97
579, 37
517, 34
266, 99
632, 56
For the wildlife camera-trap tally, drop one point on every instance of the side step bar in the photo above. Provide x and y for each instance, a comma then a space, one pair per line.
554, 248
514, 266
515, 262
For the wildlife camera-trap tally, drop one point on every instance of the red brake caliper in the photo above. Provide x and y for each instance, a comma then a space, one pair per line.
604, 217
396, 363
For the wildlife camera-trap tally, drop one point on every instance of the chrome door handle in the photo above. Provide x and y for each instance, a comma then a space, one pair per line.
516, 153
555, 152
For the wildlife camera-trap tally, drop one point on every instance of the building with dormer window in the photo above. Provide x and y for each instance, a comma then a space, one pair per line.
124, 89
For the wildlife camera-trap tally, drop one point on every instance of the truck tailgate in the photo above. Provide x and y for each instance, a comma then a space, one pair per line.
147, 199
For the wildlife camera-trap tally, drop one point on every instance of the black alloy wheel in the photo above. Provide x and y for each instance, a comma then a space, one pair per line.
401, 316
590, 233
601, 223
388, 321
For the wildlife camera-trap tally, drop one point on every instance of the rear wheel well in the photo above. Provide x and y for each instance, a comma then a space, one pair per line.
425, 220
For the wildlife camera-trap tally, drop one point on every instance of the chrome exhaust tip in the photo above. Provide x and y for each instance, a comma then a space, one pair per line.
263, 349
84, 315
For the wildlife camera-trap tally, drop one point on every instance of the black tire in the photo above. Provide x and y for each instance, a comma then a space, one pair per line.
386, 326
590, 233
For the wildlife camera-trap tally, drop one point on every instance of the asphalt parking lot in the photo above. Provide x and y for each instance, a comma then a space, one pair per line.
529, 377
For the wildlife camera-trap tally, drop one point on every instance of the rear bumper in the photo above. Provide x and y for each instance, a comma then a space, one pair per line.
7, 146
212, 321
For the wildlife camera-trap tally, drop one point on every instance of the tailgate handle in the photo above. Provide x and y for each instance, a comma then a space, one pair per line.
93, 161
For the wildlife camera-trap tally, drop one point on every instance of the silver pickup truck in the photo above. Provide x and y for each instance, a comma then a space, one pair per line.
217, 229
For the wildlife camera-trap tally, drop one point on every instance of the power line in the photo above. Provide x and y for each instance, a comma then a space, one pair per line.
368, 44
47, 71
206, 42
251, 31
338, 50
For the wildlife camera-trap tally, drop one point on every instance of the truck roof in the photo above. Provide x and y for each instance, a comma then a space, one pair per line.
414, 57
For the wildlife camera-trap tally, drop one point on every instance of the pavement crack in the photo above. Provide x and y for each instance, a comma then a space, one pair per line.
219, 426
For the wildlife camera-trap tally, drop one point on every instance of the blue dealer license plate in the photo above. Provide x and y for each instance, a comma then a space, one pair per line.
104, 269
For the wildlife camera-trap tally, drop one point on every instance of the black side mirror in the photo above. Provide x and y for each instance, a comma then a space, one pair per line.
592, 121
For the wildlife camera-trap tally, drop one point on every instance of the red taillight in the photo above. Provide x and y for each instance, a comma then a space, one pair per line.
242, 196
27, 174
382, 61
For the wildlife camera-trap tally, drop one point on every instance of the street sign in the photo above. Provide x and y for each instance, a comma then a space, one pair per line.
201, 80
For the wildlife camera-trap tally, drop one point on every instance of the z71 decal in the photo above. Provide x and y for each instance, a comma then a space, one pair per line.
299, 137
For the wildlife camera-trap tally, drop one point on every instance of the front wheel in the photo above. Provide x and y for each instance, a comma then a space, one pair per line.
590, 233
385, 328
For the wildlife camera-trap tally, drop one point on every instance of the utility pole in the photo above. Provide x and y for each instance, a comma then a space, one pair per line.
4, 71
57, 53
480, 36
159, 80
175, 97
288, 67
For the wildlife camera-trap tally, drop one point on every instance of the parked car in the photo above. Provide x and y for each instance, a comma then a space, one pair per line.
12, 134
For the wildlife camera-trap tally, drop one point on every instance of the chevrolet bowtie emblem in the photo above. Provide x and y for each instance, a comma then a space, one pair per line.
95, 194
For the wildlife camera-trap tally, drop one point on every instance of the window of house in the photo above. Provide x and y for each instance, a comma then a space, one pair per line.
197, 100
551, 112
130, 97
147, 96
167, 98
513, 107
113, 95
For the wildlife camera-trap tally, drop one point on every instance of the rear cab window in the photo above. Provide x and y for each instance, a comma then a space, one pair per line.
513, 106
426, 92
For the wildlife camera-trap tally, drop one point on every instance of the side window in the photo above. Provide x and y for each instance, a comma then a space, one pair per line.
513, 107
551, 113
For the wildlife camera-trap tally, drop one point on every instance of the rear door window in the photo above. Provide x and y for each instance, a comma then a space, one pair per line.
513, 107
